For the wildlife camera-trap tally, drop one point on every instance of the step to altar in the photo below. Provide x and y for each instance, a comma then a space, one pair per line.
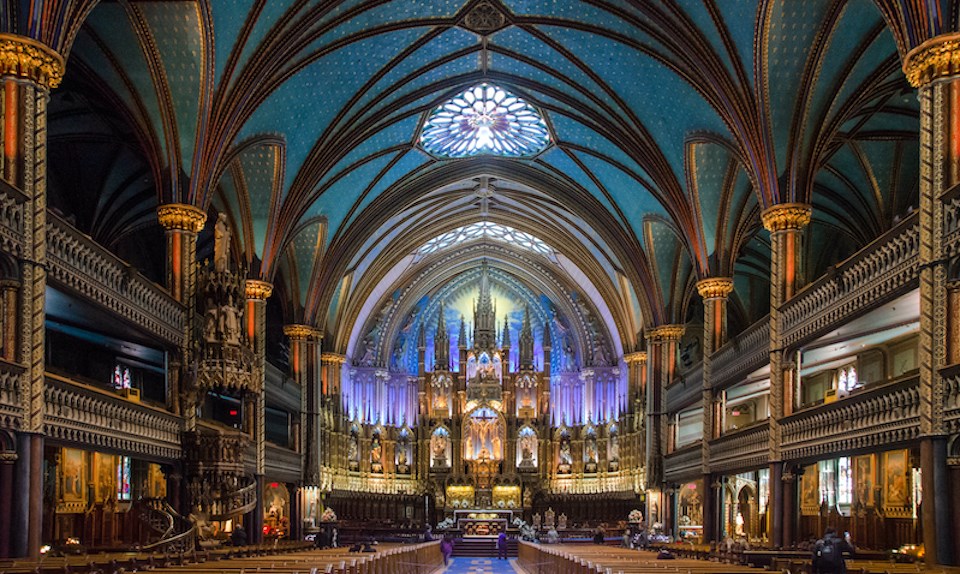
482, 547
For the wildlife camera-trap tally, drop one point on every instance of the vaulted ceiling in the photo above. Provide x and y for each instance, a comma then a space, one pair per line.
673, 124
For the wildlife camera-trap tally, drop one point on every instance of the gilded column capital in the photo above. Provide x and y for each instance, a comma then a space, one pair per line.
296, 332
665, 333
635, 357
26, 58
786, 216
715, 287
938, 57
332, 359
181, 217
256, 289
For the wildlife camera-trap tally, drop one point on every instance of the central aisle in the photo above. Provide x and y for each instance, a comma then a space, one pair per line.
467, 565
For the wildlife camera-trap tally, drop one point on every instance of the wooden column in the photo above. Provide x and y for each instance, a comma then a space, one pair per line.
714, 292
934, 69
786, 223
255, 316
661, 366
182, 223
632, 440
28, 70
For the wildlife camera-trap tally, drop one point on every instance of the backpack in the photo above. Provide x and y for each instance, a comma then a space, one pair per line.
827, 556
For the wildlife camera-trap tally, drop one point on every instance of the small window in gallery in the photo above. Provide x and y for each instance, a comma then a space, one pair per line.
844, 481
484, 120
123, 478
121, 377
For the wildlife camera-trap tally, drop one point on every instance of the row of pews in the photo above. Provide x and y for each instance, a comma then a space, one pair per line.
291, 558
577, 559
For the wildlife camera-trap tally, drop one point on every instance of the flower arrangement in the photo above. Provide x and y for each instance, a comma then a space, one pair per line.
635, 516
445, 524
328, 515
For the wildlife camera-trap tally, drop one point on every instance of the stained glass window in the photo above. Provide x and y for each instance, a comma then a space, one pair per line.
488, 230
123, 478
484, 119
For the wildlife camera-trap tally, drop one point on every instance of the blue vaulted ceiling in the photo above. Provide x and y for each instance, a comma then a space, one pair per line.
674, 124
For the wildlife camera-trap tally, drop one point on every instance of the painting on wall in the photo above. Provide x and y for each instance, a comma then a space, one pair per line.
73, 479
896, 487
864, 479
810, 491
105, 476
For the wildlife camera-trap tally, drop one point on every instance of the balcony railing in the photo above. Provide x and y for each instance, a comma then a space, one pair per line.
96, 418
683, 463
874, 417
741, 449
80, 264
742, 355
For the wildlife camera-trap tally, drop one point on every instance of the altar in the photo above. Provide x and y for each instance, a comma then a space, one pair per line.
480, 523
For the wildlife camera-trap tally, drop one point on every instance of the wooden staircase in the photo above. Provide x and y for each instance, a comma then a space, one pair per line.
482, 547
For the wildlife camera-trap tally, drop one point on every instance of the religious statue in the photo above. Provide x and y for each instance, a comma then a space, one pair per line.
376, 454
221, 244
562, 522
528, 443
438, 445
353, 454
566, 459
548, 518
536, 521
368, 349
231, 323
569, 358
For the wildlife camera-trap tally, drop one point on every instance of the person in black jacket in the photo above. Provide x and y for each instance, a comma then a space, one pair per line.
828, 553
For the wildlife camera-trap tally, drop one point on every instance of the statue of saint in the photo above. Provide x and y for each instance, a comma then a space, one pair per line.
221, 244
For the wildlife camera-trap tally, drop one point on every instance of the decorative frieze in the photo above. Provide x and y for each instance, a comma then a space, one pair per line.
11, 220
10, 412
98, 419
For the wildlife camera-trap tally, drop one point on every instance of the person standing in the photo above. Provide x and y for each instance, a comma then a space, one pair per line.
446, 548
502, 545
828, 553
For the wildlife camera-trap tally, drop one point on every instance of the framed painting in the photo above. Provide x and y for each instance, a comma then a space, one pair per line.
105, 476
810, 491
73, 481
896, 482
864, 479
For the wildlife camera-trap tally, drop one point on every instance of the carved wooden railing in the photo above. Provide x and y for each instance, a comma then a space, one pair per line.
887, 268
232, 504
874, 417
739, 449
683, 463
742, 355
10, 408
80, 264
96, 418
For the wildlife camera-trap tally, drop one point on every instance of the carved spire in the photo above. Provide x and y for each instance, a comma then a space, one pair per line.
484, 315
441, 343
506, 333
526, 340
462, 337
547, 336
422, 337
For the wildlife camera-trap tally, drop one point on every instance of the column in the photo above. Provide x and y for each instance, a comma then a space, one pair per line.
28, 70
181, 224
661, 366
8, 332
714, 292
786, 223
256, 294
934, 69
7, 460
632, 436
330, 405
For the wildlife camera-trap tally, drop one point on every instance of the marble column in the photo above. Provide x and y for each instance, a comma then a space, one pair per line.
786, 223
715, 291
934, 69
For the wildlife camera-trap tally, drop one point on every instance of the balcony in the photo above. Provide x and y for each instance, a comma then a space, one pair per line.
683, 463
876, 417
98, 418
741, 449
